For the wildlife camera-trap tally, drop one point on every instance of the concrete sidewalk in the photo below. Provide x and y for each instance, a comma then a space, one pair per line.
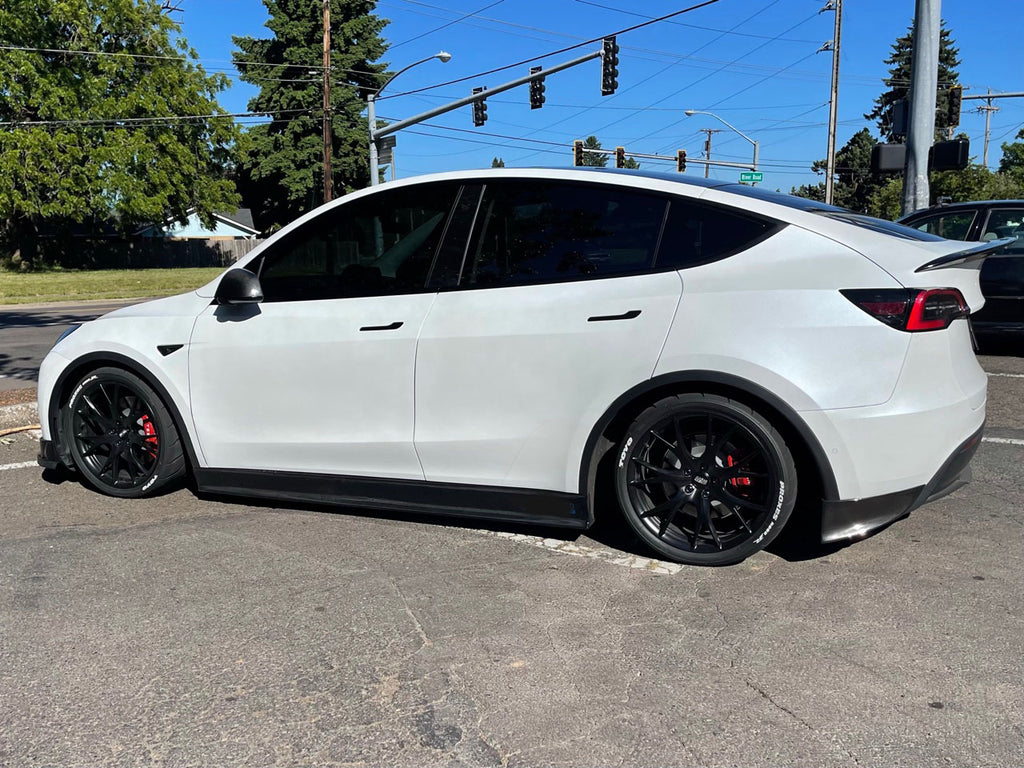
21, 413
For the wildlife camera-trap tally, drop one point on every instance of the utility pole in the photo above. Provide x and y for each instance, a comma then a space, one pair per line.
833, 99
988, 109
328, 192
707, 148
924, 80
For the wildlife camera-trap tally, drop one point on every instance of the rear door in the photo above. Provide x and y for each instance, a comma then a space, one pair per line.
557, 308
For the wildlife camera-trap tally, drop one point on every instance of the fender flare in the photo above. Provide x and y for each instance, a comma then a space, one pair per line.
830, 488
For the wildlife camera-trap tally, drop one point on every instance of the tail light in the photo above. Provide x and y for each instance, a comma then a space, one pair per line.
911, 309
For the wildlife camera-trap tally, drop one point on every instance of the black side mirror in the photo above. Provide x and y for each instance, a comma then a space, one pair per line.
239, 286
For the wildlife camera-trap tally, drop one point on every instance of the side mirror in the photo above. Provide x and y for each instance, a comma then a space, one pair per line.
239, 286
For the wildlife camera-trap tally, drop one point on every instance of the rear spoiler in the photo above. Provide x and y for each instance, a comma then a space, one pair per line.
974, 253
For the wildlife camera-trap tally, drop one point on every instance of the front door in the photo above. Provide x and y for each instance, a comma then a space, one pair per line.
319, 376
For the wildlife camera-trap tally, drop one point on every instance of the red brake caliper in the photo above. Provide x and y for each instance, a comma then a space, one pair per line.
736, 481
150, 431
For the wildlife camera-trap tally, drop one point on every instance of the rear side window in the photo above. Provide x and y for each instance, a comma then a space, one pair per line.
952, 225
697, 233
381, 244
537, 231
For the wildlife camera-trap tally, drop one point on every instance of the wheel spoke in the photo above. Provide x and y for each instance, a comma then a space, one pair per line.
104, 421
683, 452
670, 474
725, 497
737, 467
666, 520
723, 440
656, 510
704, 511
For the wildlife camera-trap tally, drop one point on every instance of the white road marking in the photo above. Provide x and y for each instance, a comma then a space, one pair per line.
1003, 440
635, 562
19, 465
1008, 375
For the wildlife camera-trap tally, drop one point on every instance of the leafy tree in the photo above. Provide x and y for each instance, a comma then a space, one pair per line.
593, 159
282, 161
100, 138
1012, 161
631, 163
497, 163
899, 82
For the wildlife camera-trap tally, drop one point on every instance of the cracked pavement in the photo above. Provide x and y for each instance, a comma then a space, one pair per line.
182, 631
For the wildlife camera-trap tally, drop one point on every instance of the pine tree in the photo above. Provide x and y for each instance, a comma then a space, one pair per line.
593, 159
110, 145
282, 161
899, 83
497, 163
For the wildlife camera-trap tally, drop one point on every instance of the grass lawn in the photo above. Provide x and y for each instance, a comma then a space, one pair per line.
67, 285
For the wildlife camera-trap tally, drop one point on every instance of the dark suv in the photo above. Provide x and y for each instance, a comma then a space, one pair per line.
1002, 276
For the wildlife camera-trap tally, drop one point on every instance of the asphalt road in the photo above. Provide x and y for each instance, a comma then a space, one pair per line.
194, 631
28, 331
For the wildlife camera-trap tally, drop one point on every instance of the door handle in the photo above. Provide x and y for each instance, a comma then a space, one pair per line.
624, 316
391, 327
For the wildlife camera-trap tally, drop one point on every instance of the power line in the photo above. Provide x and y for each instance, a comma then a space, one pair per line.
697, 26
144, 120
443, 26
552, 53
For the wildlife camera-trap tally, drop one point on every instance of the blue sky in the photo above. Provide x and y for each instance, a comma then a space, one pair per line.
753, 62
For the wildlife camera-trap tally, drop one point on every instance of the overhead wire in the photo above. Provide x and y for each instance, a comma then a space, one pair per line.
560, 51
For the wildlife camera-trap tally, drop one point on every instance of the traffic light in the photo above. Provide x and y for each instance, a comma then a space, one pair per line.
681, 161
537, 89
609, 67
479, 109
956, 95
620, 157
577, 152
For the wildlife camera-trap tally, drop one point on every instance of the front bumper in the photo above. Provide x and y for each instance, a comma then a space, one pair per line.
843, 520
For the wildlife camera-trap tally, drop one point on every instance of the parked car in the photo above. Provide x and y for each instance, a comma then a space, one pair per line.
1002, 276
498, 343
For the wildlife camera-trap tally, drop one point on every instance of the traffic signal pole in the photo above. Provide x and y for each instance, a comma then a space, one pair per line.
924, 80
386, 130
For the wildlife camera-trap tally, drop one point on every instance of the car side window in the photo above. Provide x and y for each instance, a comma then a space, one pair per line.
1006, 222
952, 225
381, 244
698, 233
540, 231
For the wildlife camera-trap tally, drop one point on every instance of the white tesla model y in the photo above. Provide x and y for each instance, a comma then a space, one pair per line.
501, 343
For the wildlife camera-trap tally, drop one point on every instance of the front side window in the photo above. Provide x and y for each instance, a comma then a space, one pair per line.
378, 245
1007, 222
953, 225
540, 231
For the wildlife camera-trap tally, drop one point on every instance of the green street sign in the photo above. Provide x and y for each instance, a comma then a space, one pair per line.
751, 176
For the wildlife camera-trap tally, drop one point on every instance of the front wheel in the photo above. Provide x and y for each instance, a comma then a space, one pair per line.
120, 435
705, 480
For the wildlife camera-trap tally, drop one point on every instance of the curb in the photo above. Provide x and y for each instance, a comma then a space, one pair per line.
20, 415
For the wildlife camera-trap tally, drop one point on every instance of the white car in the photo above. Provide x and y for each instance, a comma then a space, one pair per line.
508, 343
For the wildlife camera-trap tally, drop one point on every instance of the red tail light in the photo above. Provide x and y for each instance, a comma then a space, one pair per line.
911, 309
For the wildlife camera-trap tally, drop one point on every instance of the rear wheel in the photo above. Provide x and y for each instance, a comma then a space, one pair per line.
120, 435
705, 480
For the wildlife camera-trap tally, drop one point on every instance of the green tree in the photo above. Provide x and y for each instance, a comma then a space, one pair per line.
854, 184
101, 138
1012, 161
898, 82
282, 161
497, 163
593, 159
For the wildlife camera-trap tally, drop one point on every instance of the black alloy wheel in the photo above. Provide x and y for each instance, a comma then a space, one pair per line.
120, 435
705, 480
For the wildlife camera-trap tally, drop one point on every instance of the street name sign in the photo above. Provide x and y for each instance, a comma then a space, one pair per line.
752, 176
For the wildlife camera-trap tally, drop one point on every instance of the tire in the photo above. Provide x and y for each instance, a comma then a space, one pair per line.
120, 435
700, 509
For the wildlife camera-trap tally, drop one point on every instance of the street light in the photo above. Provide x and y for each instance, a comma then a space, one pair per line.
371, 113
757, 146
